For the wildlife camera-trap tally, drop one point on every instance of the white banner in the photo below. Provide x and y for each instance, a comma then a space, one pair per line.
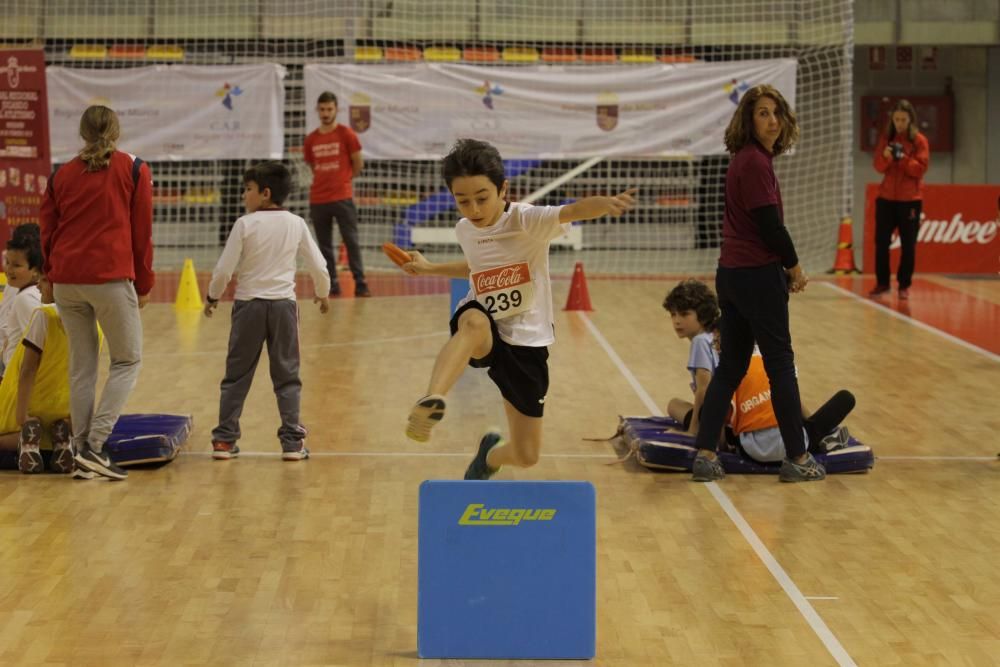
174, 112
418, 110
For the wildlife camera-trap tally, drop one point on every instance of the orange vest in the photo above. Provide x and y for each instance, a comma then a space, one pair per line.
752, 409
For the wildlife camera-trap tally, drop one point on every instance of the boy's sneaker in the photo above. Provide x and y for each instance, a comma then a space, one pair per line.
224, 451
836, 439
62, 448
362, 290
424, 415
705, 469
808, 471
478, 469
334, 290
904, 293
295, 454
100, 463
29, 458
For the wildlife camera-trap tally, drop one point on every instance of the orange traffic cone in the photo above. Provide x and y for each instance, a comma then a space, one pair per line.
843, 263
579, 297
342, 263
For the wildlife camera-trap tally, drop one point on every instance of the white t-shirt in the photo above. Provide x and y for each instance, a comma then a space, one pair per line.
38, 328
261, 250
520, 237
16, 317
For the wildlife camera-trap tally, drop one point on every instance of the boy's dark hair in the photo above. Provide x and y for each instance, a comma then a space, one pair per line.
271, 174
695, 296
27, 238
326, 96
470, 157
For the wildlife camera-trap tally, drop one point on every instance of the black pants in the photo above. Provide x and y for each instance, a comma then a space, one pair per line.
346, 215
888, 216
754, 303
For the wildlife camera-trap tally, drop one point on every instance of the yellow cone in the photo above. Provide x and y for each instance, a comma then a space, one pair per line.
3, 284
188, 294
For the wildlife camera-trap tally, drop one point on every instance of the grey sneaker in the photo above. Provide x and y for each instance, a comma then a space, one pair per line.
705, 469
808, 471
424, 416
100, 463
836, 439
478, 469
300, 454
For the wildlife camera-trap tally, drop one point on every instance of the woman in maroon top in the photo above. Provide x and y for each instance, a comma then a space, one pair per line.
97, 228
757, 268
902, 155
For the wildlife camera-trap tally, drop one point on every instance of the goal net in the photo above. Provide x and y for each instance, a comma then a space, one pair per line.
630, 93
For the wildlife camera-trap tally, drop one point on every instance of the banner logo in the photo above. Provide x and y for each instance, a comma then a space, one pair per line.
607, 111
476, 514
13, 69
360, 112
735, 89
488, 91
227, 93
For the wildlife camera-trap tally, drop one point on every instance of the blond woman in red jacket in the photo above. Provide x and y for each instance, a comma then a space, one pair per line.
902, 156
97, 239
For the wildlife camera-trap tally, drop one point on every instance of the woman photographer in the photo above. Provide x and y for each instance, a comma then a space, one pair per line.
902, 157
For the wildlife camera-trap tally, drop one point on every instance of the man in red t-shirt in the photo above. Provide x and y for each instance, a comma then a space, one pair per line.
333, 152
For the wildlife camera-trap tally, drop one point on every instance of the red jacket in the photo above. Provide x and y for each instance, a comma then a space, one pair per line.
904, 178
97, 226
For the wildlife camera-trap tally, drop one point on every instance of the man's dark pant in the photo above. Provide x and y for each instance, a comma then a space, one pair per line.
346, 215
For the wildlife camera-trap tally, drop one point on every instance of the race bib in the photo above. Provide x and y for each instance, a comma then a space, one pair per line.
504, 291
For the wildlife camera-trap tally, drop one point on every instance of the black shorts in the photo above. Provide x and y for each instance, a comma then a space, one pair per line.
521, 373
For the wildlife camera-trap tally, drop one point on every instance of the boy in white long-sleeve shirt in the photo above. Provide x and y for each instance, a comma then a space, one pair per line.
261, 251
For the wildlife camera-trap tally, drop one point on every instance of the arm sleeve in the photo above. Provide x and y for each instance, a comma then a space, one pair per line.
775, 234
315, 263
702, 355
879, 160
34, 335
543, 222
142, 231
352, 141
915, 166
48, 220
228, 261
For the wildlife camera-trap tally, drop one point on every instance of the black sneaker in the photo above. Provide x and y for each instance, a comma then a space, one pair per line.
62, 449
424, 415
809, 470
705, 469
335, 290
362, 290
478, 469
100, 463
29, 458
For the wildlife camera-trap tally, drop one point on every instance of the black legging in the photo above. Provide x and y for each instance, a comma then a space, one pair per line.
754, 304
888, 216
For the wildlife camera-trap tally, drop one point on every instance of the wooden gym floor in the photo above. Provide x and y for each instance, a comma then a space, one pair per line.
259, 562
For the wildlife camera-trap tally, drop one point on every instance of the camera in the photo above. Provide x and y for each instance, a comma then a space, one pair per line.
897, 150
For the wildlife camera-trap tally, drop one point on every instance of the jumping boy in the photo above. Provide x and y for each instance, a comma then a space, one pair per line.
262, 250
505, 322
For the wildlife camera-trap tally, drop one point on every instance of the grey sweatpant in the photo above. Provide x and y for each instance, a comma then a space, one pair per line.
255, 322
115, 307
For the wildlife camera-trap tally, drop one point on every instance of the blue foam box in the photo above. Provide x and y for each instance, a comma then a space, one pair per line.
507, 570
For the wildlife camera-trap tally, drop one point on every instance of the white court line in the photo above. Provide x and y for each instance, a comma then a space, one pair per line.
821, 597
427, 454
349, 343
935, 458
829, 640
917, 323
